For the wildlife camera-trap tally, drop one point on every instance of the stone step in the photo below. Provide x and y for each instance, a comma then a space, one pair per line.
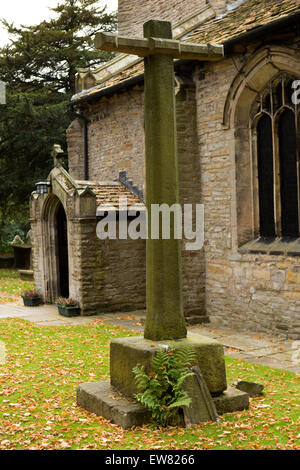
103, 400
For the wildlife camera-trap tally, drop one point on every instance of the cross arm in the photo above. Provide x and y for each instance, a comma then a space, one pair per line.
150, 46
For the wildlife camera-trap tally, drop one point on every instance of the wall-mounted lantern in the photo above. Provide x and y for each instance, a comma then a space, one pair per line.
42, 187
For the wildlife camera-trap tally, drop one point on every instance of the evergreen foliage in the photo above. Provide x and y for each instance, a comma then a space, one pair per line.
39, 67
48, 54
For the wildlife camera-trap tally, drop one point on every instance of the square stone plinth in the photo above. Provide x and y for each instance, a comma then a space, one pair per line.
126, 353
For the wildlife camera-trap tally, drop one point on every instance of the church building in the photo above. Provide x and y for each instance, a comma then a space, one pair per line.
238, 133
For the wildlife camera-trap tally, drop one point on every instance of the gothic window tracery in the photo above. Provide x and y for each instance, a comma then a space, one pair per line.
275, 128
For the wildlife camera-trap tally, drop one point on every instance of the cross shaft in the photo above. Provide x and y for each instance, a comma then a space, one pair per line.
165, 316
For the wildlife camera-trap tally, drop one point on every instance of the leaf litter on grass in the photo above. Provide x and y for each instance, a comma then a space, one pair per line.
45, 365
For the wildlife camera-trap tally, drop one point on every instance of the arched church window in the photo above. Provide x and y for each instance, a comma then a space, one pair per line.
265, 176
288, 172
275, 126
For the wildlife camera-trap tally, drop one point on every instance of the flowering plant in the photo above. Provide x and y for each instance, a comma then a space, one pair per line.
30, 294
67, 302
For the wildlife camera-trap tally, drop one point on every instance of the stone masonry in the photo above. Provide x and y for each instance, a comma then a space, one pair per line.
122, 147
132, 14
254, 291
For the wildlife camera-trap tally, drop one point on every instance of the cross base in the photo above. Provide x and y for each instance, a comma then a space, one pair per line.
114, 400
104, 400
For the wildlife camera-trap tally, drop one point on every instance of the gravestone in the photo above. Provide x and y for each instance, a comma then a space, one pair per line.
22, 253
165, 323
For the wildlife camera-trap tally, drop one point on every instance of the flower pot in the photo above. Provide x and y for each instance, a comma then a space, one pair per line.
32, 301
68, 311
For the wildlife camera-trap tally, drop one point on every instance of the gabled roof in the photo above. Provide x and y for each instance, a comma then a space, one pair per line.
107, 194
249, 16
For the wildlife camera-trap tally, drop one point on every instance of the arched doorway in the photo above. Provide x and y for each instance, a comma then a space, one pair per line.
62, 245
55, 248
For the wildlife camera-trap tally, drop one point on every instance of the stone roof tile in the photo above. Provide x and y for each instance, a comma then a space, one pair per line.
248, 16
108, 194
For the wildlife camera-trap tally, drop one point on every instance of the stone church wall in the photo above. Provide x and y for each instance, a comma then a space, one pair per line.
257, 292
116, 138
104, 276
75, 139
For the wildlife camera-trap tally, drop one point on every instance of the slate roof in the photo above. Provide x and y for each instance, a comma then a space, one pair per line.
248, 16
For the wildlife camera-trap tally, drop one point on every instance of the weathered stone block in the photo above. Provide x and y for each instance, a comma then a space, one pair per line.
253, 389
101, 399
231, 400
126, 353
26, 275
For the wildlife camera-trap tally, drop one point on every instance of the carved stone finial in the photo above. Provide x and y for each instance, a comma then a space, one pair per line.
57, 154
29, 238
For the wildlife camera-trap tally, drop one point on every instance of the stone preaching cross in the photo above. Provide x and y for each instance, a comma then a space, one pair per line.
165, 318
165, 325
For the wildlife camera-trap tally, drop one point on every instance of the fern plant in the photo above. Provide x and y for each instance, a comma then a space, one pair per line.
161, 390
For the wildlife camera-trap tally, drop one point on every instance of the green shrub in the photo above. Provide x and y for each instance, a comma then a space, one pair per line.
161, 389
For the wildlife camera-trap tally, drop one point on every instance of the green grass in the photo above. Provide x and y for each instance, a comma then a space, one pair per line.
38, 398
11, 285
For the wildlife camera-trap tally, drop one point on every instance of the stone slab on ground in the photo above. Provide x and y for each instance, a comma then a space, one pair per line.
253, 389
270, 351
102, 399
43, 315
246, 344
126, 353
231, 400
